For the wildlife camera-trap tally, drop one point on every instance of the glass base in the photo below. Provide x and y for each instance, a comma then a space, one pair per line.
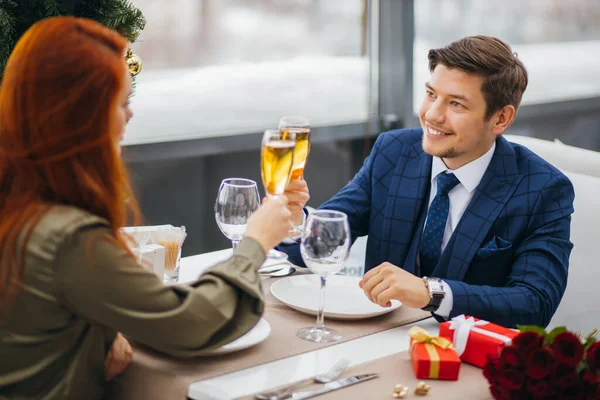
276, 255
296, 232
318, 334
171, 277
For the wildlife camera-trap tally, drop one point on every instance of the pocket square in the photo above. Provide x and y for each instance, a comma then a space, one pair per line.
494, 246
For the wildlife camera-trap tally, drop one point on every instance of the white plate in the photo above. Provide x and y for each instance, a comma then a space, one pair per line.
343, 298
259, 333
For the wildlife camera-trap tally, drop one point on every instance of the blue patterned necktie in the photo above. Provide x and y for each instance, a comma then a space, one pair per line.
430, 246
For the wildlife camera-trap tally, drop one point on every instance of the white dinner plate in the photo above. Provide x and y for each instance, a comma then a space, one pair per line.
344, 299
259, 333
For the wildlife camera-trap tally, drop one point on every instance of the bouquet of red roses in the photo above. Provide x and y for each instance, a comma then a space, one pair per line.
540, 365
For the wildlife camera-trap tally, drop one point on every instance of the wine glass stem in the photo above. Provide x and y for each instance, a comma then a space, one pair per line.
234, 244
321, 316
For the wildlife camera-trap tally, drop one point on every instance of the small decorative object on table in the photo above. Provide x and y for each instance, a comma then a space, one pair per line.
475, 339
433, 357
422, 389
400, 391
171, 238
540, 365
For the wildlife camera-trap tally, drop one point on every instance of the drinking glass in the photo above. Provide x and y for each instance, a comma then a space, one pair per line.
277, 156
236, 201
301, 128
325, 246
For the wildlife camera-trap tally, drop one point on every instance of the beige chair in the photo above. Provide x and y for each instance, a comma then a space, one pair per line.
580, 306
562, 156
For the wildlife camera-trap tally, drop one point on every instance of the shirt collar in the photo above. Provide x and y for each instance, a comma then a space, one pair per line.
469, 174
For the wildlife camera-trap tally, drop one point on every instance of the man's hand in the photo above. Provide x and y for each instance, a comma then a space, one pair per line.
386, 282
298, 195
118, 357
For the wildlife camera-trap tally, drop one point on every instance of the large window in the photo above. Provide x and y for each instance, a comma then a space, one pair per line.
557, 40
224, 67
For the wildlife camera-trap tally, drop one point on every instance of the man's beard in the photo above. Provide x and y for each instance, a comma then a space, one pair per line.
449, 153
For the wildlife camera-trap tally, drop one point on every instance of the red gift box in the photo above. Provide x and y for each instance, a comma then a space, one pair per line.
433, 357
474, 339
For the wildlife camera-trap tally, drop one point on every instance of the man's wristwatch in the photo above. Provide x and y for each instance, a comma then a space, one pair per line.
435, 286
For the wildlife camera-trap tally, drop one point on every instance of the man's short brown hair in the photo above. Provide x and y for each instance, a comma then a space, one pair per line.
505, 76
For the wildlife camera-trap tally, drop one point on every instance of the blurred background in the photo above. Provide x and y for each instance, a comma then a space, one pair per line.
219, 72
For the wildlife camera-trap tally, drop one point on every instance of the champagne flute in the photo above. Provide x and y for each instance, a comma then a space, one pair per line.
277, 156
236, 201
325, 246
301, 128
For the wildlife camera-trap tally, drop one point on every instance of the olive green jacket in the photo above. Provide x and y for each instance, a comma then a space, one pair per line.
79, 288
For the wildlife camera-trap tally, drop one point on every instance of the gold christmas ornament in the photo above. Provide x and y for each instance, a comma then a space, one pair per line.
400, 391
422, 389
134, 63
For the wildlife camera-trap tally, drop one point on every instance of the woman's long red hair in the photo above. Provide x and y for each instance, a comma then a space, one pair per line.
57, 143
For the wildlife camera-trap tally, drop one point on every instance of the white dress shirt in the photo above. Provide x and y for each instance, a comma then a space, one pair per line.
460, 196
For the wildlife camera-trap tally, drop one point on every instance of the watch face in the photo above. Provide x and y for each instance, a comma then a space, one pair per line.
436, 286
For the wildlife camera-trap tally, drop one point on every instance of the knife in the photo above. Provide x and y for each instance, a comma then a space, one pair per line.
271, 269
331, 386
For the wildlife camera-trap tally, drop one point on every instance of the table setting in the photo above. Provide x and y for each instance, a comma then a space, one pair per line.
354, 348
294, 296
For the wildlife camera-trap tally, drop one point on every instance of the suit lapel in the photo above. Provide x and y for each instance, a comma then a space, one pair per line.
406, 198
495, 189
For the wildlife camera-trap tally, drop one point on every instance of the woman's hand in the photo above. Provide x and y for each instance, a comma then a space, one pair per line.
118, 358
270, 224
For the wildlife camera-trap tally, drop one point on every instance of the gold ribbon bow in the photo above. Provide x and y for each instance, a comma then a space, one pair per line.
420, 335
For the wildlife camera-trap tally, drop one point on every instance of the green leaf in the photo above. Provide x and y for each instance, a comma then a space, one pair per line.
550, 337
532, 328
588, 342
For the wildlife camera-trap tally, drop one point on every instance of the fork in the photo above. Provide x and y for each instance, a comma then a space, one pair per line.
330, 375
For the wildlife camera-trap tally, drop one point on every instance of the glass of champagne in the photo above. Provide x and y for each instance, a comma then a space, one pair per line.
325, 246
236, 201
277, 156
301, 128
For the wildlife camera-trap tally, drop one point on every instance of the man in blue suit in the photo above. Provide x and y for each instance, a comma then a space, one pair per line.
459, 220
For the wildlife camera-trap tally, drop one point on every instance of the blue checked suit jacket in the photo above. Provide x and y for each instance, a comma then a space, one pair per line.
507, 260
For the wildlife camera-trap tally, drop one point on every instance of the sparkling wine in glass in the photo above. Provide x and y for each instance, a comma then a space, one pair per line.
236, 201
300, 127
277, 156
325, 246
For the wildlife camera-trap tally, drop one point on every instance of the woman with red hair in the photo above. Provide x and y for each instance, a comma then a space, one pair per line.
68, 283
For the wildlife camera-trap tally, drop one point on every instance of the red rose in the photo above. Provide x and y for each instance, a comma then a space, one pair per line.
512, 379
527, 341
510, 356
567, 348
538, 388
539, 363
492, 369
559, 370
593, 356
571, 392
567, 381
499, 393
591, 383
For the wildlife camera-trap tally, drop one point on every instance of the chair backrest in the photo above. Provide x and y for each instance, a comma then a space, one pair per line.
562, 156
580, 306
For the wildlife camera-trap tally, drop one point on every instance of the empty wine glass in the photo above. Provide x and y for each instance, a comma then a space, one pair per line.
325, 246
236, 201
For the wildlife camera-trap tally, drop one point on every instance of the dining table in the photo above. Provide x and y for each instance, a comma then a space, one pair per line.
378, 345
